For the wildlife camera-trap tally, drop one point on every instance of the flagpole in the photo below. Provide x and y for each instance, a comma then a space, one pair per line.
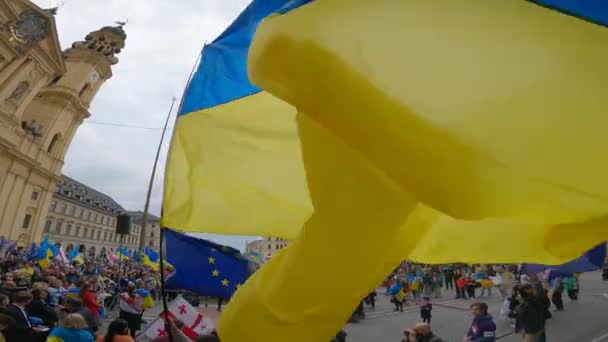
147, 205
161, 255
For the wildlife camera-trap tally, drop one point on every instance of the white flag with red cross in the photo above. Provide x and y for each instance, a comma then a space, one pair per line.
194, 322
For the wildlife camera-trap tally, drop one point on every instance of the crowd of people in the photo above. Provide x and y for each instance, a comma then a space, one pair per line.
69, 302
527, 299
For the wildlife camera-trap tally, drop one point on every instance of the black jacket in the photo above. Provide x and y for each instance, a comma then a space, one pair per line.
530, 317
22, 330
40, 309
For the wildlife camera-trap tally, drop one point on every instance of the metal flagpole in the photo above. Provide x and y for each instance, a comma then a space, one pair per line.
147, 205
162, 232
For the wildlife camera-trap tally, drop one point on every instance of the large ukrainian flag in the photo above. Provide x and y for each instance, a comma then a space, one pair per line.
235, 161
466, 130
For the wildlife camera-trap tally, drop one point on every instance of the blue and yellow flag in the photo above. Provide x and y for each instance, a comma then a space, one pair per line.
75, 255
46, 252
403, 132
204, 267
124, 253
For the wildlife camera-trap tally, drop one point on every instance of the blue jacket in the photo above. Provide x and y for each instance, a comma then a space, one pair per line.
482, 329
70, 335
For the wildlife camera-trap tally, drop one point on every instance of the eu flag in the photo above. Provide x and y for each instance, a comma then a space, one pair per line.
203, 266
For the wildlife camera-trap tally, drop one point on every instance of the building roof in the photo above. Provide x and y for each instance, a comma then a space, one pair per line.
138, 216
89, 197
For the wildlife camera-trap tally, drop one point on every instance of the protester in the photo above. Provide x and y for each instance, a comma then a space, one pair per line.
471, 286
131, 308
572, 287
461, 285
449, 279
558, 290
531, 315
39, 308
73, 329
118, 331
89, 300
486, 286
421, 333
425, 310
371, 299
483, 328
75, 305
23, 329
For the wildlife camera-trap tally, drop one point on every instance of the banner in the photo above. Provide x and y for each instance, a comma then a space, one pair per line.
194, 322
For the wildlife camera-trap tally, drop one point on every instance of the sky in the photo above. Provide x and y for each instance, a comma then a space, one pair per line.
164, 39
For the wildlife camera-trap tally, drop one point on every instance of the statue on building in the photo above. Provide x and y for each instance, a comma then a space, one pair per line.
22, 89
107, 41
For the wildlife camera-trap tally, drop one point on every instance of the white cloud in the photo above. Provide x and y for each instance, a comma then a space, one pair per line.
164, 39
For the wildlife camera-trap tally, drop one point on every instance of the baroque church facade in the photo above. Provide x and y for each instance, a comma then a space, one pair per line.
45, 94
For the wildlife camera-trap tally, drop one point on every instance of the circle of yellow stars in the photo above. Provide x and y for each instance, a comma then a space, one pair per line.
216, 273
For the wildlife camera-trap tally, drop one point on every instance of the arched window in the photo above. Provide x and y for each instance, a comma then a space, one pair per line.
54, 143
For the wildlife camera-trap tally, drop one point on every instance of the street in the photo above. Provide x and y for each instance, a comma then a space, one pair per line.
583, 320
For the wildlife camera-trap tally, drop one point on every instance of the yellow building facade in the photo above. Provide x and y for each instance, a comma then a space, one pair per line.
45, 94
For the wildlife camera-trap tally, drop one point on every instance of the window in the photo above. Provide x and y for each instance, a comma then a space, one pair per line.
86, 232
58, 227
26, 220
98, 234
105, 236
53, 206
63, 208
77, 231
81, 213
72, 211
277, 246
269, 246
151, 234
68, 230
34, 195
95, 217
92, 236
54, 143
88, 215
47, 226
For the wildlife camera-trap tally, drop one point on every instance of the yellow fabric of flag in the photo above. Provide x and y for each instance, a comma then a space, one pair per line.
490, 113
237, 168
344, 250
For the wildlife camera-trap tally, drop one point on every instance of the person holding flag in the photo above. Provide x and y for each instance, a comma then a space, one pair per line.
131, 308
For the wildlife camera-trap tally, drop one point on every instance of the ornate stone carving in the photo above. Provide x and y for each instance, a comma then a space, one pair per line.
107, 41
22, 88
30, 29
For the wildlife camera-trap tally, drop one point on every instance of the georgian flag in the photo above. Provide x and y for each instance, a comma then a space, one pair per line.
194, 322
61, 257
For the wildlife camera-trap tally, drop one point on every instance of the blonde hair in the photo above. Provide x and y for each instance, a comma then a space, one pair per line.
74, 321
